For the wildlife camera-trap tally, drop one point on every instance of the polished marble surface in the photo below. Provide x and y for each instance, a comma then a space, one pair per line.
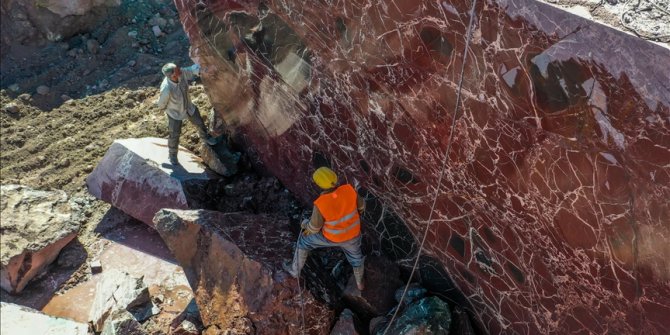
553, 214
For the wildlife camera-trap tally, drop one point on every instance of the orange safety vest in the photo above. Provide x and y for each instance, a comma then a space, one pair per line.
340, 214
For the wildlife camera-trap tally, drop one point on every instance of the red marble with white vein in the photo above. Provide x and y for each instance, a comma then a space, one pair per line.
553, 215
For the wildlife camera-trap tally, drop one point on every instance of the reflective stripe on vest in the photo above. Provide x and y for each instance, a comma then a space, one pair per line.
342, 231
345, 218
340, 214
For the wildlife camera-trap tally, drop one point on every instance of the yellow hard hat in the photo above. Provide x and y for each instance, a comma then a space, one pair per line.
325, 178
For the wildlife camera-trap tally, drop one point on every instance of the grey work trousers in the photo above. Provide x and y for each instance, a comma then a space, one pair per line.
351, 248
174, 126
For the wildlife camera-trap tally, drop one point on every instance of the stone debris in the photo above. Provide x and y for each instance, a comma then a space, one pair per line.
233, 262
92, 46
426, 316
136, 177
382, 279
11, 108
18, 319
414, 292
36, 225
346, 324
185, 328
43, 90
119, 291
121, 322
219, 158
96, 267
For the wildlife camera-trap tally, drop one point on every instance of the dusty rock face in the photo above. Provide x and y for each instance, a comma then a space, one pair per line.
136, 177
118, 295
552, 211
34, 22
23, 320
426, 316
232, 262
36, 225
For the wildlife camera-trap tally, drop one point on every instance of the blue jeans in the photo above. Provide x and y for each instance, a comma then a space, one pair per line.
351, 248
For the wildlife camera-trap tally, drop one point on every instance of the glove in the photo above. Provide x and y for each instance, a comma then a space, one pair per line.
305, 227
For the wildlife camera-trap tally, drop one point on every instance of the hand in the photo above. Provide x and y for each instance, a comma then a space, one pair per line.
304, 224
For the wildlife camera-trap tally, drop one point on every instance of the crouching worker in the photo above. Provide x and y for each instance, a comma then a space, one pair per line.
335, 222
176, 103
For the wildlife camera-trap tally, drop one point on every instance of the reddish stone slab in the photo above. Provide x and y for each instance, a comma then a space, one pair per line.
553, 212
233, 262
136, 177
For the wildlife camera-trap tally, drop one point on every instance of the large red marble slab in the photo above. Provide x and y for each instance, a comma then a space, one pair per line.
136, 177
553, 213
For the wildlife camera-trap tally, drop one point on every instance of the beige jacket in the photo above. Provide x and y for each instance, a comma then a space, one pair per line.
174, 98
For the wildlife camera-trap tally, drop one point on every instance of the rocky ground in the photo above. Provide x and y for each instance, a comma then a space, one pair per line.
648, 19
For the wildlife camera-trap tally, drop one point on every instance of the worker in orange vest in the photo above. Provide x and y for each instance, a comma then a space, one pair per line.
335, 222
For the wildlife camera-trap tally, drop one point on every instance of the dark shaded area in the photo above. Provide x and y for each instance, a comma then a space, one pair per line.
561, 88
435, 41
320, 159
403, 175
384, 232
458, 244
516, 273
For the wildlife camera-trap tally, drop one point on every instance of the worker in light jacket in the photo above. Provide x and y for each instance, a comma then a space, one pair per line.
176, 103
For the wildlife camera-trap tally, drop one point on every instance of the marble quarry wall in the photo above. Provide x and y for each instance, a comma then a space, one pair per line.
552, 215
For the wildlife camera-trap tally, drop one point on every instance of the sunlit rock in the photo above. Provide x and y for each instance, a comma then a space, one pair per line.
233, 264
36, 225
23, 320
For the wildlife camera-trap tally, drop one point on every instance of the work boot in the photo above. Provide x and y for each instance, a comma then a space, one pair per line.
173, 158
358, 275
294, 267
209, 139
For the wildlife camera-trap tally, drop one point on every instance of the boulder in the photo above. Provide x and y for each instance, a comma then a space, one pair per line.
43, 90
23, 320
219, 158
414, 292
233, 262
92, 46
136, 177
118, 291
36, 225
426, 316
382, 279
346, 324
121, 322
